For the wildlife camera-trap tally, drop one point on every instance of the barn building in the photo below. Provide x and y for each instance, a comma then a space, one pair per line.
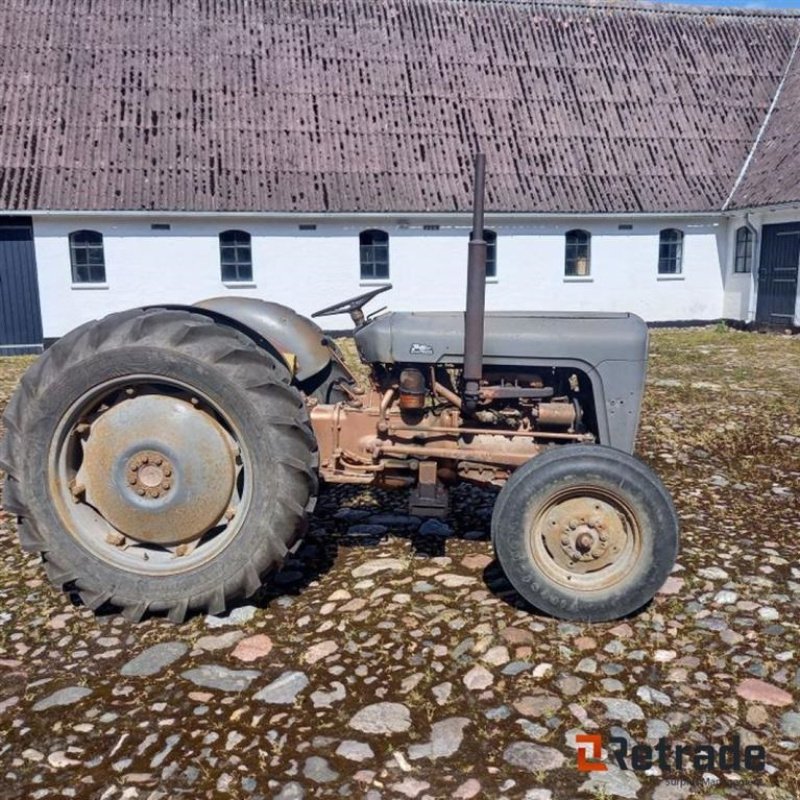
640, 157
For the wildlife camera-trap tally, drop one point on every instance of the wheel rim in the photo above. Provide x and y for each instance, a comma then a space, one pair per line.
585, 538
150, 475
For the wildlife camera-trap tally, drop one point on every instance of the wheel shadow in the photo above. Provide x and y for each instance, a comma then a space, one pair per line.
341, 521
499, 585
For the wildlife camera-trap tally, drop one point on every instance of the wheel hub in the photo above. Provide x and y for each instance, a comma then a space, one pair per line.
159, 469
150, 473
583, 535
584, 538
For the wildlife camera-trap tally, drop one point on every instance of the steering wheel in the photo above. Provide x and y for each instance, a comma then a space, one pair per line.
352, 306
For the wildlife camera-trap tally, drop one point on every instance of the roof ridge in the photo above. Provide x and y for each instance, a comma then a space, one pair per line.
764, 124
647, 6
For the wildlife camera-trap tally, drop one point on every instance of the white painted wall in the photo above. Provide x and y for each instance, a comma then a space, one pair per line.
311, 269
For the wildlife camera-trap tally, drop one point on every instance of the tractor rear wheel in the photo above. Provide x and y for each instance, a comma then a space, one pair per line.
585, 532
159, 462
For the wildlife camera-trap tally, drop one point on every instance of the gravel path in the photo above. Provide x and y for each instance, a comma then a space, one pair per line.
390, 659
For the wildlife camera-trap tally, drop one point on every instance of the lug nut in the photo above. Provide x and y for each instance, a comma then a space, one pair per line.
140, 492
132, 480
167, 472
573, 523
158, 461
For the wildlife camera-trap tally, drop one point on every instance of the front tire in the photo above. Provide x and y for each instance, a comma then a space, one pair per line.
159, 462
585, 532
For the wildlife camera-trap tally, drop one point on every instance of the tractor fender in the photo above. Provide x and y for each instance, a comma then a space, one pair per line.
301, 343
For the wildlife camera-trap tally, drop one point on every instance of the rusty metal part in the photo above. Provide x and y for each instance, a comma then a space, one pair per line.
413, 390
584, 542
393, 481
350, 437
561, 414
151, 471
498, 444
483, 473
343, 432
585, 538
489, 393
453, 453
429, 497
447, 394
158, 469
476, 294
386, 401
499, 432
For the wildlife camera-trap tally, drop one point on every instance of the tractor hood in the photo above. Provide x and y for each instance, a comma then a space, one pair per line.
510, 337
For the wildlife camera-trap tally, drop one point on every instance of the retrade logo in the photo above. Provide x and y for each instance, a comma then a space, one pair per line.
729, 756
590, 754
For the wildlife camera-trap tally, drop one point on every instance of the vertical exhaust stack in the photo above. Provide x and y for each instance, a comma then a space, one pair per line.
476, 295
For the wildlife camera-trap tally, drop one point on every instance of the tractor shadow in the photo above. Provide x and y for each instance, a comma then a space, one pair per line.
345, 518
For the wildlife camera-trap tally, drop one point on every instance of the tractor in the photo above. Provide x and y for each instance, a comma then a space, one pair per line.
163, 460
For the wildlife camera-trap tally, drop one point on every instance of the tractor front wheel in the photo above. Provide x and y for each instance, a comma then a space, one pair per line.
585, 532
159, 462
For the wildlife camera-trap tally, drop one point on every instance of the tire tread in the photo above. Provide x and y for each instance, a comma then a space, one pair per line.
244, 364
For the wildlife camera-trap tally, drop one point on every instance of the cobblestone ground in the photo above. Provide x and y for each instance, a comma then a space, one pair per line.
390, 660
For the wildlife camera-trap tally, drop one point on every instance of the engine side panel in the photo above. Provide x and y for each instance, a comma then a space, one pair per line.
611, 349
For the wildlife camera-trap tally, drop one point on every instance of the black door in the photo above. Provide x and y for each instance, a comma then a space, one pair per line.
777, 274
20, 314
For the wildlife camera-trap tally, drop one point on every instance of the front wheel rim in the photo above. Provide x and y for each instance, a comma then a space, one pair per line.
585, 538
132, 490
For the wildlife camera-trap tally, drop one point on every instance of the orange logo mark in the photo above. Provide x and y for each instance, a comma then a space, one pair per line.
596, 742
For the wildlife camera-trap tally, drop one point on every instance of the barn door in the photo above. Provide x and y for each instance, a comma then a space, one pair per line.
777, 274
20, 314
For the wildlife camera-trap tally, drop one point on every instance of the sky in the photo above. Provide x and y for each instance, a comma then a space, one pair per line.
775, 4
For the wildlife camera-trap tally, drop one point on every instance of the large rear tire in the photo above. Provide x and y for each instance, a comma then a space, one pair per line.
585, 532
159, 462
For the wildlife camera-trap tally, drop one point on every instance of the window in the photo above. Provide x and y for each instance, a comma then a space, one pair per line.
670, 252
374, 254
744, 250
87, 258
576, 257
490, 237
235, 256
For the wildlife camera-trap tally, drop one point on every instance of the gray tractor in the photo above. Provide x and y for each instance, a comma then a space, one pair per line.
163, 460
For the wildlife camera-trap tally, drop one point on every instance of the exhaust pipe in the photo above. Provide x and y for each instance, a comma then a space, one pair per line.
476, 296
